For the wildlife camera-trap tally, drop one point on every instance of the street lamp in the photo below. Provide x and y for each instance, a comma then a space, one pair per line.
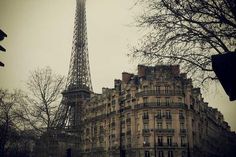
154, 134
122, 152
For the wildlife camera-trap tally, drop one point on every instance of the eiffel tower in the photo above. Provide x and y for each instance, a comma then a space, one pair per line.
78, 87
66, 132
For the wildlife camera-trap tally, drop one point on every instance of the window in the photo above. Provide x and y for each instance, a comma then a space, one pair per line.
158, 101
145, 100
145, 139
181, 126
128, 119
159, 125
95, 130
101, 129
178, 89
160, 140
170, 153
129, 139
128, 103
168, 101
160, 154
122, 125
113, 124
113, 107
183, 140
168, 114
145, 125
167, 89
145, 115
146, 154
168, 125
128, 115
181, 113
87, 132
159, 114
169, 140
158, 89
113, 102
180, 100
128, 127
145, 88
101, 138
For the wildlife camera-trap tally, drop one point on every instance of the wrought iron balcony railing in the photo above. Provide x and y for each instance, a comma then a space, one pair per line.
160, 93
168, 131
166, 145
160, 105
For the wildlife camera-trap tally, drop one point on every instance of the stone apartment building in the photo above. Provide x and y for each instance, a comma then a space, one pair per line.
156, 113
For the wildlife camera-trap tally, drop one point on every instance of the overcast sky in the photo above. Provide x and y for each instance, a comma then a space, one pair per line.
40, 34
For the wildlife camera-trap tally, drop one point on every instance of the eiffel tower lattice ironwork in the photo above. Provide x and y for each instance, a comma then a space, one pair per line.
78, 86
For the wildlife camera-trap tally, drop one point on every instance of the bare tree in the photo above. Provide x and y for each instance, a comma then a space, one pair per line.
187, 32
42, 102
11, 123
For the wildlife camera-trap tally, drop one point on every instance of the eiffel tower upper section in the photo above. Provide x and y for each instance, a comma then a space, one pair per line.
79, 72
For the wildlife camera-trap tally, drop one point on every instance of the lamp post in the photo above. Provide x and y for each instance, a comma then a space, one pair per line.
122, 152
154, 134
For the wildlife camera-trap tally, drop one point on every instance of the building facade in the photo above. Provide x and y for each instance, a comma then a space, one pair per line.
156, 113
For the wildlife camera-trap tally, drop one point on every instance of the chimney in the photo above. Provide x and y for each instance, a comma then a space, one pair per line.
175, 70
126, 77
141, 70
117, 84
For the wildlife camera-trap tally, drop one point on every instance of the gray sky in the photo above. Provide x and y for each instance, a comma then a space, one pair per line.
40, 34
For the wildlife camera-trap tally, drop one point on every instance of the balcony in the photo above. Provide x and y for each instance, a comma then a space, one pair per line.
166, 131
160, 105
166, 145
159, 93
